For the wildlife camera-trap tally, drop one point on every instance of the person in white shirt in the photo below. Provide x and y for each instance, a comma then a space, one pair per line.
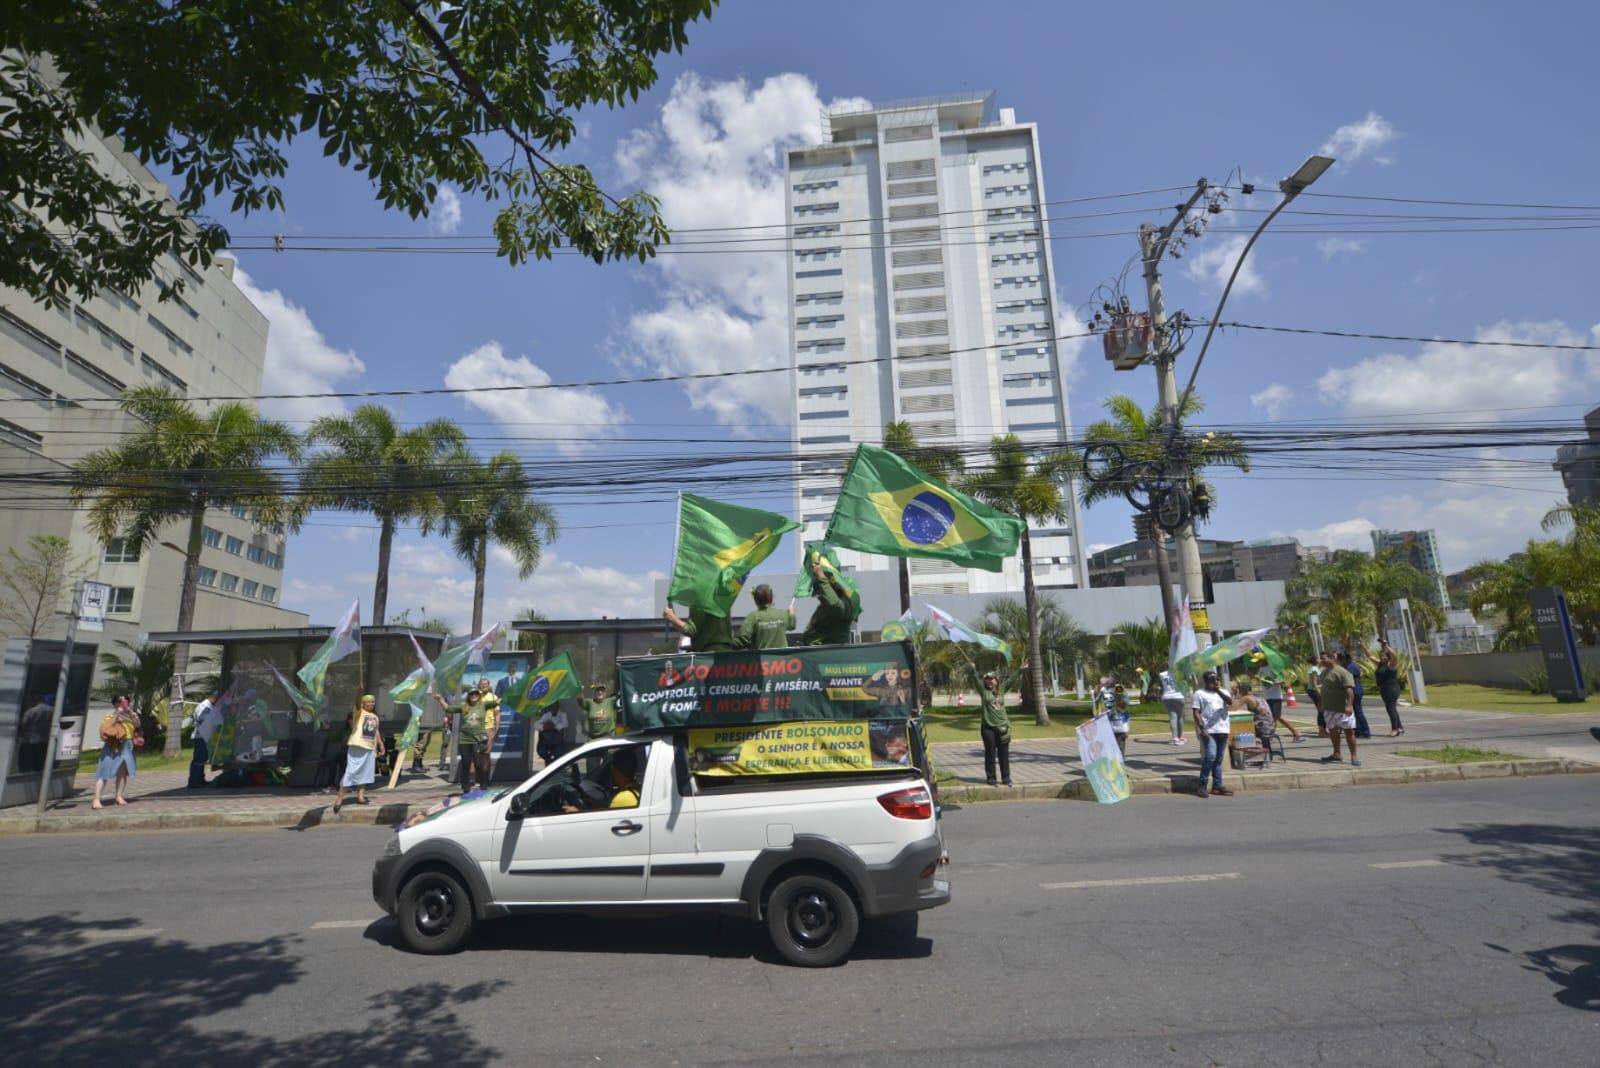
1173, 700
1274, 696
1210, 706
552, 728
207, 720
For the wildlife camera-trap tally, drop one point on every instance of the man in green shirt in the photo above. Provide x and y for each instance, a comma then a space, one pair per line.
995, 728
837, 608
1338, 692
707, 633
767, 627
600, 713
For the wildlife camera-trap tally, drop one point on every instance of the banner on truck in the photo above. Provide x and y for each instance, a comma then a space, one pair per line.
799, 748
751, 686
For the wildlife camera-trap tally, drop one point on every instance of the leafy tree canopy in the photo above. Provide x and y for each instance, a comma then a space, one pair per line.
480, 94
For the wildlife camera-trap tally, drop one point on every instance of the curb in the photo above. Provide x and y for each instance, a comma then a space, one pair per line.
321, 816
1080, 790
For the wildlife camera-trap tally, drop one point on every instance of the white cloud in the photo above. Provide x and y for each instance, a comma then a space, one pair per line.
1273, 400
1214, 262
299, 358
1446, 378
571, 414
1339, 534
444, 217
1334, 247
1100, 547
1369, 138
715, 159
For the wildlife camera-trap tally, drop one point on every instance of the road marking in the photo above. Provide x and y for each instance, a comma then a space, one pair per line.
1144, 880
329, 925
115, 934
1408, 864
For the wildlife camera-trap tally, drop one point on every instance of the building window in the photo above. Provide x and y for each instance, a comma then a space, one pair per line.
813, 187
121, 551
208, 576
121, 602
234, 546
211, 536
836, 414
1032, 426
817, 230
269, 593
162, 373
250, 587
826, 439
239, 510
255, 554
816, 209
825, 272
274, 561
230, 582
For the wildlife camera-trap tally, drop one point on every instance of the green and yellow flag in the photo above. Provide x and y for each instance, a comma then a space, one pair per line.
718, 545
544, 685
823, 552
888, 507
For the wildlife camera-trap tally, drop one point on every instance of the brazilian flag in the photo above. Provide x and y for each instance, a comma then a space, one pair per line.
888, 507
543, 686
718, 545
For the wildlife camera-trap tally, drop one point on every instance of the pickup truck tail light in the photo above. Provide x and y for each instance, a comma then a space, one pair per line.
909, 804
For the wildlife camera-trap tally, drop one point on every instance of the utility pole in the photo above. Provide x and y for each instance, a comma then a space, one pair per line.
49, 769
1152, 247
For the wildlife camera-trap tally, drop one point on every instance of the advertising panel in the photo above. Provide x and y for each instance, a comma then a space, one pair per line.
800, 748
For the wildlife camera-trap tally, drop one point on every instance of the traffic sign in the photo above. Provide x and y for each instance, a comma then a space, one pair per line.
92, 606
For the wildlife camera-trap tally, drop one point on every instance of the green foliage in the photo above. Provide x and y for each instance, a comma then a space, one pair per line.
33, 582
142, 675
940, 461
1353, 593
1536, 679
421, 621
479, 95
1140, 436
1137, 645
1572, 563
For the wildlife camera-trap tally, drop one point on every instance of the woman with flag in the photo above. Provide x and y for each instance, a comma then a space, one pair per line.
361, 751
473, 732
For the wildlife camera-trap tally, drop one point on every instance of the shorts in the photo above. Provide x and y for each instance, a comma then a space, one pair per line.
1339, 721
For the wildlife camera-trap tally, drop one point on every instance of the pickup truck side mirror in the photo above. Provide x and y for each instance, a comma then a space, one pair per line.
518, 807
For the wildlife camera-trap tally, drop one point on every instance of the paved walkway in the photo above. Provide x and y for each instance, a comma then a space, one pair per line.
1150, 756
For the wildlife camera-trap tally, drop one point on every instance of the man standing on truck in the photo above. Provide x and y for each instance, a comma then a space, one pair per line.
767, 627
837, 607
600, 712
707, 633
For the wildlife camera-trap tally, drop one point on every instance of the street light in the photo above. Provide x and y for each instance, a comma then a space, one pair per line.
1312, 169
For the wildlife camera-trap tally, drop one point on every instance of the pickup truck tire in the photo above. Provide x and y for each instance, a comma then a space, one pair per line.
812, 920
434, 911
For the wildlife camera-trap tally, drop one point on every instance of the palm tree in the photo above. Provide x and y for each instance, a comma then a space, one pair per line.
1507, 586
489, 504
1059, 633
142, 676
1352, 592
940, 461
1031, 491
174, 464
1138, 645
371, 465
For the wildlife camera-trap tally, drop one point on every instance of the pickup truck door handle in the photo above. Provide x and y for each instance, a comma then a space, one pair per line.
625, 828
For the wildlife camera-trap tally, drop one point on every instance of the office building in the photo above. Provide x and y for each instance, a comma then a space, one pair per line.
61, 372
1579, 464
919, 232
1133, 563
1270, 559
1420, 549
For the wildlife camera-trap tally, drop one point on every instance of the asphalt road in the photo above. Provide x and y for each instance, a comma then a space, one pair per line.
1450, 923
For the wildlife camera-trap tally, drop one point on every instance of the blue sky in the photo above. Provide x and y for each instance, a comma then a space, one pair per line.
1416, 103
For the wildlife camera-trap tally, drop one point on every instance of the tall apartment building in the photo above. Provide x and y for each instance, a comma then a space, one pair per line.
919, 232
61, 372
1579, 463
1420, 549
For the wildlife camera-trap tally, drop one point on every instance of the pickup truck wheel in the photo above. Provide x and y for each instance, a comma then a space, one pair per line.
434, 912
812, 920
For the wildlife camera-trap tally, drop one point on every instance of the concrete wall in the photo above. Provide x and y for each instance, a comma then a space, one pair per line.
1496, 669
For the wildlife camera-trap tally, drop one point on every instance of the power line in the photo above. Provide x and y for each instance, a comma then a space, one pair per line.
1408, 337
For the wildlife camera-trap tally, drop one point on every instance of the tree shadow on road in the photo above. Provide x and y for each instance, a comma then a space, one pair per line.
97, 993
1561, 861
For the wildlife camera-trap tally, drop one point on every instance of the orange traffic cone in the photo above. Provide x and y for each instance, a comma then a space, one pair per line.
1288, 693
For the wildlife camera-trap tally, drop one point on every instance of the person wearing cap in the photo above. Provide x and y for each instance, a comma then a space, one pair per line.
474, 733
995, 725
767, 627
1211, 722
361, 750
600, 712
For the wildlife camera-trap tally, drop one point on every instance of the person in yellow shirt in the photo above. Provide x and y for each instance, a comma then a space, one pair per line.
491, 707
624, 770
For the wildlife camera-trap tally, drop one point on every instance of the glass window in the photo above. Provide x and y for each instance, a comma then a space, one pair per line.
250, 586
121, 602
230, 582
269, 593
211, 536
275, 561
208, 576
255, 553
586, 782
238, 510
235, 545
121, 551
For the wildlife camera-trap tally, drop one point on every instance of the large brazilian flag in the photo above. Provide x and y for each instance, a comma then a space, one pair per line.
718, 545
888, 507
546, 684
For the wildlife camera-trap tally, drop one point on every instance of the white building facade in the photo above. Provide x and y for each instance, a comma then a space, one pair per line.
62, 371
922, 284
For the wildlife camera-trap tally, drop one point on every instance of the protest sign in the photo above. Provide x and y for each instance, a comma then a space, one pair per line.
1102, 761
800, 748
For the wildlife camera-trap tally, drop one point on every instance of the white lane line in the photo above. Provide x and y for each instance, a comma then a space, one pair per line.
1387, 865
117, 934
1144, 880
329, 925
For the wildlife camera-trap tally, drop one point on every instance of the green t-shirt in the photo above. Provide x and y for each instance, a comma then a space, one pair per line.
830, 623
1335, 687
993, 701
766, 628
708, 633
474, 721
601, 716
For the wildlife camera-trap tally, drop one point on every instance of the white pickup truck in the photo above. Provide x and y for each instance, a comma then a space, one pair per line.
620, 823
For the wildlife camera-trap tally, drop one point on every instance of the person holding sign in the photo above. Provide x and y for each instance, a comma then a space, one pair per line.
836, 609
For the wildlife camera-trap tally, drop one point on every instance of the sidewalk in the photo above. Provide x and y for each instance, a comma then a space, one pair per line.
1049, 767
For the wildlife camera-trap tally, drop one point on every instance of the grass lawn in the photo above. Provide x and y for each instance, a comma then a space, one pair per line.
1457, 754
947, 723
1495, 699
